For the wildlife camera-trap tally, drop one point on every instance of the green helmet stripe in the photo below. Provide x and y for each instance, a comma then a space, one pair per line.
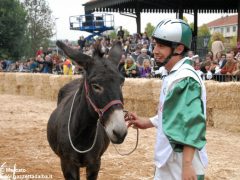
186, 39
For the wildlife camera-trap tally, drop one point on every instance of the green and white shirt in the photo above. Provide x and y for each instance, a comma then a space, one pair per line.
181, 118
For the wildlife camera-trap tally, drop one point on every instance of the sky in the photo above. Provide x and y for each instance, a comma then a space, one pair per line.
62, 10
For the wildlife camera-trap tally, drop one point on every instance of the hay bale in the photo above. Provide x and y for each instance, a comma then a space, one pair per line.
227, 118
10, 84
2, 79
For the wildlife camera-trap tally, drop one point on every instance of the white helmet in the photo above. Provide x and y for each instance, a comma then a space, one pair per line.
173, 31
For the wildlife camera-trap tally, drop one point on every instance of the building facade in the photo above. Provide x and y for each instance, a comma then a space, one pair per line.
225, 25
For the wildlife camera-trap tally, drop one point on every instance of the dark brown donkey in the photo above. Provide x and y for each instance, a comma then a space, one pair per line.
89, 113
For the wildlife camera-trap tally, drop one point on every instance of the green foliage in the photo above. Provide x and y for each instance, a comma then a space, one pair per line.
203, 30
233, 42
149, 29
126, 33
40, 24
185, 19
12, 29
112, 34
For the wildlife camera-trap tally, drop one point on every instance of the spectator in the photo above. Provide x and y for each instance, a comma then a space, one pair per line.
81, 42
190, 54
229, 67
67, 67
145, 70
40, 52
222, 61
142, 56
136, 53
120, 33
47, 64
130, 68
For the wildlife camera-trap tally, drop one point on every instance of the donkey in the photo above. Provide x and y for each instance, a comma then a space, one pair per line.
89, 113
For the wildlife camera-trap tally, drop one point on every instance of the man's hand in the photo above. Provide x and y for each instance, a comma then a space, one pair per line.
188, 172
137, 122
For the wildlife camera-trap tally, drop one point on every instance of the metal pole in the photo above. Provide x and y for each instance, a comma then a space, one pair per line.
56, 33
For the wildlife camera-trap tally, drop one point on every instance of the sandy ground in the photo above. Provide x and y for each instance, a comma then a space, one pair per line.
23, 144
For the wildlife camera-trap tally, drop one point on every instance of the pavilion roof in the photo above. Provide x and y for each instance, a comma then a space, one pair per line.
163, 6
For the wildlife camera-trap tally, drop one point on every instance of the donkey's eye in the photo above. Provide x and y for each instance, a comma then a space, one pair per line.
97, 88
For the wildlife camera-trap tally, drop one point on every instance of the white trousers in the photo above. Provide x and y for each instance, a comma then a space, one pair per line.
172, 170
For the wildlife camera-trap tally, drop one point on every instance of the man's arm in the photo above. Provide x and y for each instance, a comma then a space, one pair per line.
187, 169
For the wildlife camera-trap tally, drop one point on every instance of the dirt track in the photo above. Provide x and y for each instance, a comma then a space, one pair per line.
23, 142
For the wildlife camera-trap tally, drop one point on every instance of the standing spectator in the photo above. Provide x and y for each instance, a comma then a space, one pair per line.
40, 52
67, 67
120, 33
81, 42
217, 46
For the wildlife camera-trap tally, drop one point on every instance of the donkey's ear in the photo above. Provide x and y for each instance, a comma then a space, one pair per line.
115, 53
75, 54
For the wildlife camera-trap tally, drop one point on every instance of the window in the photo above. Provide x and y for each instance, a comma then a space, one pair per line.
228, 29
222, 30
234, 28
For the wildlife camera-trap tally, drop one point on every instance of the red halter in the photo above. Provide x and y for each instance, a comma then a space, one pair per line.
105, 108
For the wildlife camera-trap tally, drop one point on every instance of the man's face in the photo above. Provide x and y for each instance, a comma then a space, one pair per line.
229, 57
161, 52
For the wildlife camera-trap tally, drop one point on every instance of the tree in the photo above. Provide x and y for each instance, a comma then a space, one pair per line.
203, 30
12, 29
40, 23
149, 29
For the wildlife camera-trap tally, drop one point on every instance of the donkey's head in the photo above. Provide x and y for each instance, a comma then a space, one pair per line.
103, 88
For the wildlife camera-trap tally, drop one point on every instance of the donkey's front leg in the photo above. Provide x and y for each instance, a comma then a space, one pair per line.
70, 170
93, 169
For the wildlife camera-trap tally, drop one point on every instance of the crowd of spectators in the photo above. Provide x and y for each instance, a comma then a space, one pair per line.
137, 60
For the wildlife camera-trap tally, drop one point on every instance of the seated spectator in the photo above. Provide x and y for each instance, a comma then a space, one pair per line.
214, 68
130, 68
142, 56
190, 54
222, 60
47, 64
136, 53
205, 68
237, 72
229, 67
145, 70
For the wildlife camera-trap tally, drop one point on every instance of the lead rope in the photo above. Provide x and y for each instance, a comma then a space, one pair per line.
69, 135
125, 154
